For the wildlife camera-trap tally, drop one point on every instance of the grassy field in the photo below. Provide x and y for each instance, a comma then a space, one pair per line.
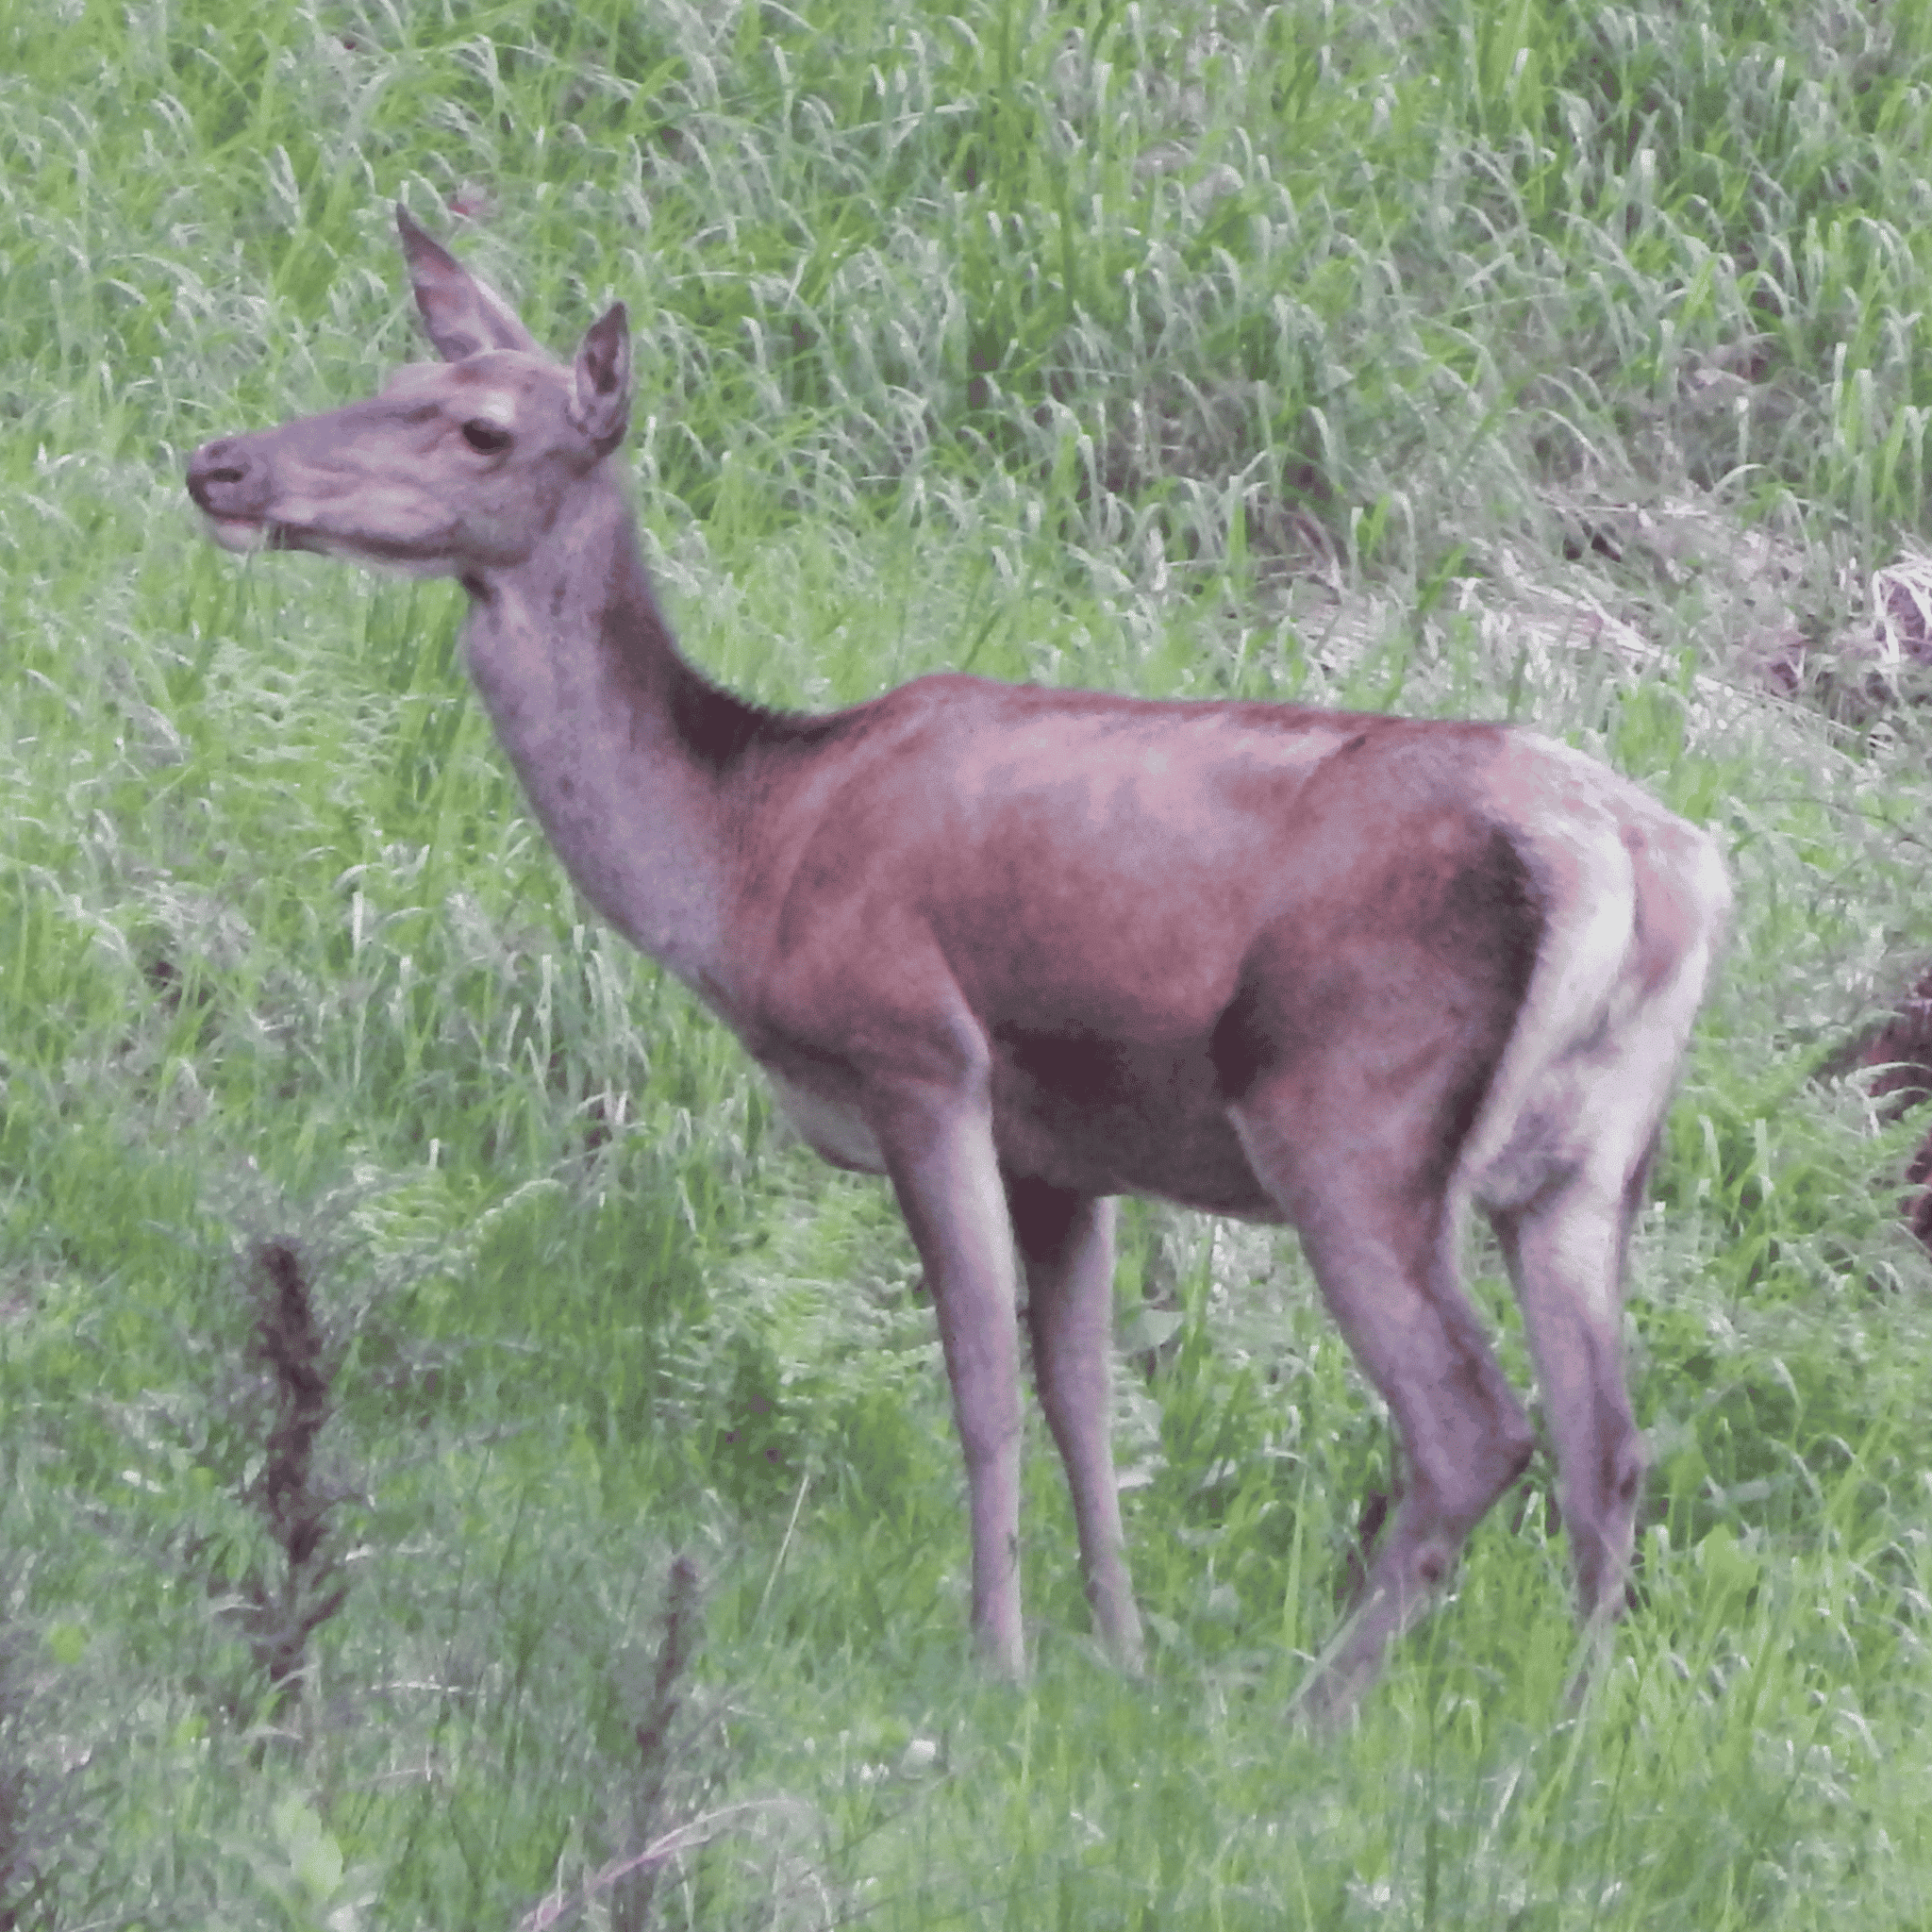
396, 1274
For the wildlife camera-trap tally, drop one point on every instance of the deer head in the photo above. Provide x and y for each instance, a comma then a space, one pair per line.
457, 468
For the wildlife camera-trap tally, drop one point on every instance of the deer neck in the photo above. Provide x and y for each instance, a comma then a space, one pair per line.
613, 735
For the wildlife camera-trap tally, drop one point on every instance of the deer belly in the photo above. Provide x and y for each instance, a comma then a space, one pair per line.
833, 1129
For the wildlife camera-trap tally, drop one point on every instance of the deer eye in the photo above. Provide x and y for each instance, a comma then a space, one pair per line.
485, 437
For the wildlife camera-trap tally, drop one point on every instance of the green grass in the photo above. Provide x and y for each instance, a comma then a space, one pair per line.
1555, 362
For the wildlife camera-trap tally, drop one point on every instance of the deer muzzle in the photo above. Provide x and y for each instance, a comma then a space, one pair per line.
230, 487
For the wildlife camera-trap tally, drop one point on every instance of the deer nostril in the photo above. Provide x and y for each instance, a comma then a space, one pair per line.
218, 468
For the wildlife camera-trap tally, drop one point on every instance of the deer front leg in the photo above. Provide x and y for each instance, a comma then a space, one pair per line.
1066, 1242
939, 1151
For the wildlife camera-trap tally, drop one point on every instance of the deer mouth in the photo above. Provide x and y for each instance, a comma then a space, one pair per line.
239, 533
245, 534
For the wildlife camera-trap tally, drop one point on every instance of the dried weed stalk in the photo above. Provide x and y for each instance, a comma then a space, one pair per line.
630, 1897
292, 1343
647, 1838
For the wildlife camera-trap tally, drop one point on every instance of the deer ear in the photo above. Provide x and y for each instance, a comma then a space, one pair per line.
600, 395
463, 314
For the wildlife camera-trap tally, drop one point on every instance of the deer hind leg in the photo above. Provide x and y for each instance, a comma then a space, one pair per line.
1381, 1238
1066, 1243
1565, 1252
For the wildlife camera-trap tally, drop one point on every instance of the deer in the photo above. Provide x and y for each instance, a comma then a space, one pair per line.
1022, 951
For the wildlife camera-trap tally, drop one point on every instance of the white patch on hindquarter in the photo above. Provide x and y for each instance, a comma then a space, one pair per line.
830, 1128
1587, 1078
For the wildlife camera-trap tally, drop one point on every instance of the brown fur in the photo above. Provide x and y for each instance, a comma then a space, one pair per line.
1024, 950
